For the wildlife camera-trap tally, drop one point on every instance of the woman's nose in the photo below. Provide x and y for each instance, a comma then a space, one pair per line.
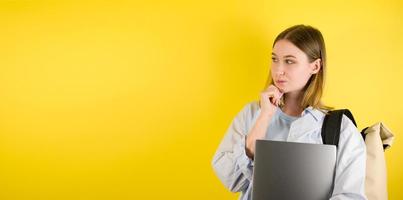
278, 69
280, 73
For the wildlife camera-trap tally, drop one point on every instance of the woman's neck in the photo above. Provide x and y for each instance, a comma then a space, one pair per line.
292, 104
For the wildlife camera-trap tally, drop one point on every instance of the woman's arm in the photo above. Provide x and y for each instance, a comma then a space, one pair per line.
351, 164
257, 132
230, 162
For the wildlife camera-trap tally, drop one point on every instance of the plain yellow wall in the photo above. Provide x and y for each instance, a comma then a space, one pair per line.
130, 99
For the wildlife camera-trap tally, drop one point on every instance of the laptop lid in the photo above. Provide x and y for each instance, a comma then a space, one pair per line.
289, 170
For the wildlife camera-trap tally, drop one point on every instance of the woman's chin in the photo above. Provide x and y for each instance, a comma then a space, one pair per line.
282, 90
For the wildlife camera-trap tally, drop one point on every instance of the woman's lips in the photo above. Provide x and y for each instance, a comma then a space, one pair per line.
281, 82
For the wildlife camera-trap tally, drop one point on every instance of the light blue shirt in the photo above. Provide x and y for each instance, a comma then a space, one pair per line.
234, 168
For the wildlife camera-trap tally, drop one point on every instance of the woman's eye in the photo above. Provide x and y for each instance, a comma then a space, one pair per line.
274, 59
289, 61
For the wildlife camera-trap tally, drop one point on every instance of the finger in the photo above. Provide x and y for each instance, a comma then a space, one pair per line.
269, 95
271, 99
279, 94
278, 90
271, 88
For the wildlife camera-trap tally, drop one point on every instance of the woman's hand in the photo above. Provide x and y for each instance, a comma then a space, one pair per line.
270, 99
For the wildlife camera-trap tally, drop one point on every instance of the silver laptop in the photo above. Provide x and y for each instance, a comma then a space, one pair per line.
289, 170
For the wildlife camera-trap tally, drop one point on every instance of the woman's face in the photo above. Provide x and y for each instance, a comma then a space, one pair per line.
290, 67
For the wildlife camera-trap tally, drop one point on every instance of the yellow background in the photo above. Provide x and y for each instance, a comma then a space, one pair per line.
130, 99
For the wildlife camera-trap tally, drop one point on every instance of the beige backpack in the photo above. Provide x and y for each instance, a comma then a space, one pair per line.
377, 138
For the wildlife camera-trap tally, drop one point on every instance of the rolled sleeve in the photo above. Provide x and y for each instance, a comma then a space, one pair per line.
230, 162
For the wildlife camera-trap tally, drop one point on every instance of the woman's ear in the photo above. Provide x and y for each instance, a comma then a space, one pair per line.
316, 66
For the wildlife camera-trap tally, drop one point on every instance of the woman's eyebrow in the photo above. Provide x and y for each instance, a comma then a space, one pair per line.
286, 56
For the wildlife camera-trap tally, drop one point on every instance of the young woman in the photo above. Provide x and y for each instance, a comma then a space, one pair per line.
290, 109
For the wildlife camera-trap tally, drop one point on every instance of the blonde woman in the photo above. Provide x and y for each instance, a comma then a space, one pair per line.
290, 109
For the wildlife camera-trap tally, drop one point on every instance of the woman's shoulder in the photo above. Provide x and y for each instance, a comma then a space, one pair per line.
249, 110
347, 127
253, 106
349, 131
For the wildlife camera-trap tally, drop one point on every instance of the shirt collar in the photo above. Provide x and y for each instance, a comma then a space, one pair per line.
311, 119
315, 113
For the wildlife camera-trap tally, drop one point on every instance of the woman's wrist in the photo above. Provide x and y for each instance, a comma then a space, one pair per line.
265, 115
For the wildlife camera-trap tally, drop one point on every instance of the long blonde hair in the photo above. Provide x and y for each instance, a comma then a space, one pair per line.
309, 40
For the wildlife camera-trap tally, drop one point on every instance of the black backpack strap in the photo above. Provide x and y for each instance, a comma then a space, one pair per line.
363, 133
332, 124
